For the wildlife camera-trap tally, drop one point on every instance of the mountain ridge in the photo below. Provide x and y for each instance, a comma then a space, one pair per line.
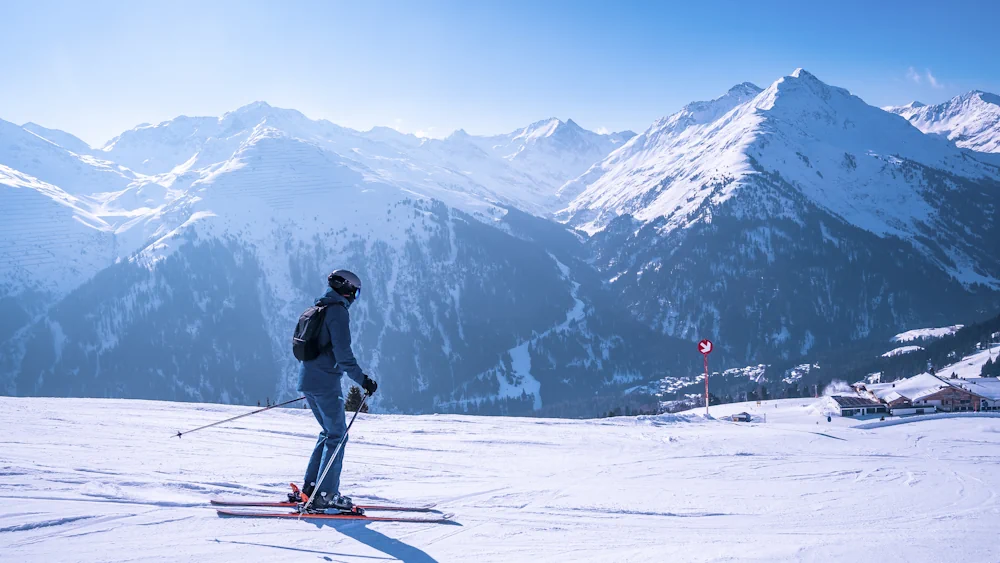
971, 120
781, 222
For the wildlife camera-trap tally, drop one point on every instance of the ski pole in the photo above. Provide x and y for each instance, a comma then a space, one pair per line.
179, 434
329, 464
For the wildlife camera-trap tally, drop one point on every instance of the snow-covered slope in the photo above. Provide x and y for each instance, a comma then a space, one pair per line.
643, 161
926, 333
751, 218
48, 238
226, 261
61, 138
776, 221
971, 120
551, 152
77, 174
830, 145
524, 168
899, 351
99, 480
971, 366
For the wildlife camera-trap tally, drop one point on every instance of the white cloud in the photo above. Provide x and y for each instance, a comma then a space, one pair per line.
430, 133
933, 81
602, 131
926, 77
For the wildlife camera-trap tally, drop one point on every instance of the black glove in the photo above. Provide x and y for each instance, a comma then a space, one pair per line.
369, 386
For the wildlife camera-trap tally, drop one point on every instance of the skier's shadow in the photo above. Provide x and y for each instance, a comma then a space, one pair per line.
392, 547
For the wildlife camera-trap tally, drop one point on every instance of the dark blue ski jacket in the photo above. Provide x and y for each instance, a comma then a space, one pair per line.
323, 373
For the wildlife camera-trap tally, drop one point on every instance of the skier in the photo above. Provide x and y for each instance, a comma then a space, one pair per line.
319, 382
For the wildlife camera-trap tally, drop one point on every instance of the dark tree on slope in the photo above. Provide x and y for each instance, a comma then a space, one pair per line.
353, 400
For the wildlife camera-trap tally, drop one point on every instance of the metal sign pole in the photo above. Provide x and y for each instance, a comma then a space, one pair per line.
706, 385
705, 347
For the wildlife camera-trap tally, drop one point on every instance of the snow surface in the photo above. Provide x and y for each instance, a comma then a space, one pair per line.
799, 126
49, 240
912, 388
972, 119
148, 185
971, 365
926, 333
523, 168
902, 350
849, 158
99, 480
61, 138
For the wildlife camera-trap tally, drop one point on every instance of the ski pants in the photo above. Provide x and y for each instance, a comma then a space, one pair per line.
328, 408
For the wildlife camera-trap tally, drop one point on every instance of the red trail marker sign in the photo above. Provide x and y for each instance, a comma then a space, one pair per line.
705, 347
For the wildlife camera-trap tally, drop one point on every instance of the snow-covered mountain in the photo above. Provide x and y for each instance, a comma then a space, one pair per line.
971, 120
654, 148
61, 138
524, 168
49, 242
172, 262
24, 150
791, 218
551, 152
184, 283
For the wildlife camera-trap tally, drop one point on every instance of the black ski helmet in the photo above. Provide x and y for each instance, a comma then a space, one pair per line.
345, 282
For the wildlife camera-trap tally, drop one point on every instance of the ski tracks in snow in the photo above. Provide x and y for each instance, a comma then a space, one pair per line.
622, 489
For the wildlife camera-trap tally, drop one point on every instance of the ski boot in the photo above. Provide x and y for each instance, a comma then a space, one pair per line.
335, 504
300, 495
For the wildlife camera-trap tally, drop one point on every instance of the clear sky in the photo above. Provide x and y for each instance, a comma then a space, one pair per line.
98, 68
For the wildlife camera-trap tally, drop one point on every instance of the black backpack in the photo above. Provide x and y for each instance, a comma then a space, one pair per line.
305, 341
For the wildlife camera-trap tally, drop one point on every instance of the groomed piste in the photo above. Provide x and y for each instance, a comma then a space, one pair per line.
78, 476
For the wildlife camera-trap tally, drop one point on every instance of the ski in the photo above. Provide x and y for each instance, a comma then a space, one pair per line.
297, 496
288, 504
437, 519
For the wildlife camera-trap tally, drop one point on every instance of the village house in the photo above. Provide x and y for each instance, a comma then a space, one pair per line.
900, 405
950, 399
926, 393
859, 406
986, 388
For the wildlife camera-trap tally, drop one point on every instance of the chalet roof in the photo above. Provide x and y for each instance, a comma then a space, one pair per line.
855, 402
895, 395
913, 387
950, 389
986, 387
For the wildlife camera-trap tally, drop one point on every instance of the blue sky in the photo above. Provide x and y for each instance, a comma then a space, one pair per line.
98, 68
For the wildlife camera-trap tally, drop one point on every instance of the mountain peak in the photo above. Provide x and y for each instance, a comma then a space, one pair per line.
260, 110
696, 113
61, 138
543, 128
981, 95
802, 90
745, 88
803, 73
254, 106
971, 120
